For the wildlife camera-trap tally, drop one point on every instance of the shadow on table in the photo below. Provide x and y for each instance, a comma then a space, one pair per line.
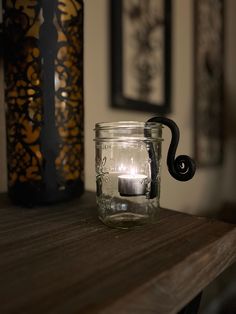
220, 296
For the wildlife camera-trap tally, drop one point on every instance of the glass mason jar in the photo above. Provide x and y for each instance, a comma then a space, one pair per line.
128, 157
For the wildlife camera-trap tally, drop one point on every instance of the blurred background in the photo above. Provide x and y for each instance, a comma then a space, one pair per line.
212, 186
212, 191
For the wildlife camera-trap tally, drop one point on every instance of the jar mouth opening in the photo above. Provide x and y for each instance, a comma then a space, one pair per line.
131, 131
127, 124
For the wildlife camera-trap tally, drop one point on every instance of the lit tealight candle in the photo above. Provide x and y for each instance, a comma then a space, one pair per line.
132, 184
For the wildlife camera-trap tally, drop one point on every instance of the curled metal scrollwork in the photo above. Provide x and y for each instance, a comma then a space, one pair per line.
182, 167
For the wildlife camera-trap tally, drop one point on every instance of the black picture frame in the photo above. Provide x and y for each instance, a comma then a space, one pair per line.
139, 97
208, 82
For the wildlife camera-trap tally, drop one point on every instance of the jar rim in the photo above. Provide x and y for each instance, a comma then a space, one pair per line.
127, 124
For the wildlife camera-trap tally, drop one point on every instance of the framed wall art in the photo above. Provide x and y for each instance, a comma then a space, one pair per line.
140, 55
208, 81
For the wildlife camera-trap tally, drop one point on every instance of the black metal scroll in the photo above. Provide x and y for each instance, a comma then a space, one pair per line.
182, 167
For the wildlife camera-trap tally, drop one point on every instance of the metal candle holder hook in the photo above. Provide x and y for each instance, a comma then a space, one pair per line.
182, 167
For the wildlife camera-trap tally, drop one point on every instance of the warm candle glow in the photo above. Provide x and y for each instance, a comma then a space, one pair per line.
133, 176
132, 184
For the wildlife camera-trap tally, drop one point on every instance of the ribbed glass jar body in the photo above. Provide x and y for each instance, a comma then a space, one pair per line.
128, 156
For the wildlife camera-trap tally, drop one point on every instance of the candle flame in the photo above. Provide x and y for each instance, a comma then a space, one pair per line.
128, 170
133, 171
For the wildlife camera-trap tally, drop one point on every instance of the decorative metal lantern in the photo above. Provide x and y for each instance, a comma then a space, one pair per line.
43, 56
128, 157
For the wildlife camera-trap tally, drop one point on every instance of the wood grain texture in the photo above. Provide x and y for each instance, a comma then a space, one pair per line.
61, 259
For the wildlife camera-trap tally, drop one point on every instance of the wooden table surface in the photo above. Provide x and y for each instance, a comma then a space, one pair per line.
61, 259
